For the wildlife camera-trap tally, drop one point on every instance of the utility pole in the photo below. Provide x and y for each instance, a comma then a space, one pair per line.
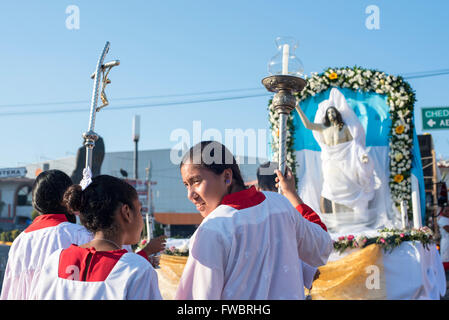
149, 217
435, 194
136, 136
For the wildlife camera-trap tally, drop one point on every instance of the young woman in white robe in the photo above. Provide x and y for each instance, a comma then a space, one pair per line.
250, 244
443, 223
100, 269
53, 229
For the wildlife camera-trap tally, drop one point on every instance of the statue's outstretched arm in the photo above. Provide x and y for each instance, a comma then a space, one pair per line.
309, 125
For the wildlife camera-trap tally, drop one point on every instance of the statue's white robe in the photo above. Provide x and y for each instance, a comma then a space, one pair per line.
346, 179
251, 247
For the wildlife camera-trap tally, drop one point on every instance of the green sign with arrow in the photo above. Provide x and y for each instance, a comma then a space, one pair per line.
435, 118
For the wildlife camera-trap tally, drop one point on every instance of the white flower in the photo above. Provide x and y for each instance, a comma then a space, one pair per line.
398, 156
184, 248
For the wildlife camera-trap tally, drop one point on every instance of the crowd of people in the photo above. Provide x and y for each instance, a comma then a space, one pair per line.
253, 243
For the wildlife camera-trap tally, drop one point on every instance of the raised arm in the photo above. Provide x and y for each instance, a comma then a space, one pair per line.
288, 187
309, 125
314, 245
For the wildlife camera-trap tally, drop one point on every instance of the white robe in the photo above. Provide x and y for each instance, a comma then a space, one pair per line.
29, 251
131, 278
346, 180
444, 242
308, 274
251, 248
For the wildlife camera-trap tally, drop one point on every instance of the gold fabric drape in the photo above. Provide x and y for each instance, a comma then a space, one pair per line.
169, 274
357, 276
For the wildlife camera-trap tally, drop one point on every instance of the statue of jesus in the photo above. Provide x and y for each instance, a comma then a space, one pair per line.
348, 177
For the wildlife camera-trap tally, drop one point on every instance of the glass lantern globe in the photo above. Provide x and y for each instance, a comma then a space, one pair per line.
285, 62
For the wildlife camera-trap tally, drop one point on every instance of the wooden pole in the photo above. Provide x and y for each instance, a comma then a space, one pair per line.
434, 194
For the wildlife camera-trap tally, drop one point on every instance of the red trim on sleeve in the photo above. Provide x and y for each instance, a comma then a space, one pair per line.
143, 254
446, 266
243, 199
45, 221
74, 260
310, 215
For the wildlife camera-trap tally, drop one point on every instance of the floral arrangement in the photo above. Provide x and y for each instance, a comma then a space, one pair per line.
388, 239
400, 99
173, 251
142, 243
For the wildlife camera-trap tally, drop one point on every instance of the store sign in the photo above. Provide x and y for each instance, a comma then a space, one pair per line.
13, 172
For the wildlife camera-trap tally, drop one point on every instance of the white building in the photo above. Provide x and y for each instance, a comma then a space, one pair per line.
170, 203
15, 197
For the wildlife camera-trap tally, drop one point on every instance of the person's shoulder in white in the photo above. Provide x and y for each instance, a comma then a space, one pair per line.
75, 231
141, 277
132, 271
281, 201
59, 236
46, 240
314, 244
224, 219
138, 262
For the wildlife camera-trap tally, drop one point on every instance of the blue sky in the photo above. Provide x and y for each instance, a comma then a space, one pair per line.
176, 47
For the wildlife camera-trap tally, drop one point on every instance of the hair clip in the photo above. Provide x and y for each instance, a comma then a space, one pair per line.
87, 178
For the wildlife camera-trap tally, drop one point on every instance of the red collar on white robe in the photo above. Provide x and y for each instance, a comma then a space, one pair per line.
243, 199
45, 221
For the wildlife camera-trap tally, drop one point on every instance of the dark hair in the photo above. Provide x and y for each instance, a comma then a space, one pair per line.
48, 191
214, 156
98, 202
266, 176
327, 122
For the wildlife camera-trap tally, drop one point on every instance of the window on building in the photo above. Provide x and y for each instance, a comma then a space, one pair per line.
24, 196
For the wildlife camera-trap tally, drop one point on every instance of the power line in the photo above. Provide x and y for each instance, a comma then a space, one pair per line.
136, 106
414, 75
426, 74
130, 98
